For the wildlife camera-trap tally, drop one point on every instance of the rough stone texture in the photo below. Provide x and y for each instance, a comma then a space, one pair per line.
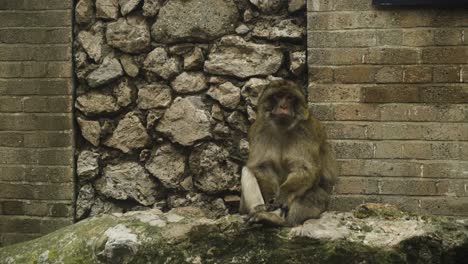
87, 165
282, 29
109, 70
124, 92
267, 6
297, 62
186, 121
96, 103
227, 94
252, 90
84, 11
90, 130
129, 66
84, 201
107, 9
238, 121
160, 63
93, 44
296, 5
189, 82
151, 7
154, 96
194, 20
194, 60
135, 237
237, 57
168, 165
130, 134
127, 6
129, 34
213, 171
127, 180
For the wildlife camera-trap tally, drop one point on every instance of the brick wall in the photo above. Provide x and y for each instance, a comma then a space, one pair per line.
391, 85
36, 171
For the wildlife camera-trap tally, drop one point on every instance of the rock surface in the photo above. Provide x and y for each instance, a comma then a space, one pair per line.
87, 165
236, 57
93, 44
130, 134
186, 235
96, 103
84, 201
159, 62
129, 34
84, 11
127, 180
154, 96
186, 121
90, 130
127, 6
109, 70
107, 9
227, 94
194, 20
189, 82
168, 165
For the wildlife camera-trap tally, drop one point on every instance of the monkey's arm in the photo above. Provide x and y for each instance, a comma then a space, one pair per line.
252, 198
301, 178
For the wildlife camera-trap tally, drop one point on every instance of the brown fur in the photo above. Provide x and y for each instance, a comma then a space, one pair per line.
293, 164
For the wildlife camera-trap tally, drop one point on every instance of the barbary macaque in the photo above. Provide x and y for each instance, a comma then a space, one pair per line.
291, 169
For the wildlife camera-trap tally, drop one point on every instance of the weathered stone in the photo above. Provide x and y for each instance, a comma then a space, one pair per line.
168, 165
109, 70
238, 121
153, 116
194, 20
130, 134
242, 29
107, 9
282, 29
127, 180
189, 82
151, 7
129, 65
84, 11
195, 60
93, 44
101, 207
160, 63
227, 94
80, 58
154, 96
217, 112
297, 62
213, 172
90, 130
244, 147
251, 114
127, 6
267, 6
180, 49
236, 57
296, 5
87, 165
252, 90
248, 15
96, 103
221, 131
124, 91
186, 121
129, 34
84, 201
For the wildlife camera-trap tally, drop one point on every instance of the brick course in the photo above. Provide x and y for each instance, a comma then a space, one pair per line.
36, 137
390, 85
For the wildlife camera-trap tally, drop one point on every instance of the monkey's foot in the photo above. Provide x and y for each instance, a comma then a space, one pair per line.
267, 219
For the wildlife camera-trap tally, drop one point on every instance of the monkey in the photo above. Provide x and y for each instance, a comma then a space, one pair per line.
291, 169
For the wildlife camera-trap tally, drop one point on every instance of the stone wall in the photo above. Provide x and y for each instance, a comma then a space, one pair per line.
36, 156
166, 92
391, 85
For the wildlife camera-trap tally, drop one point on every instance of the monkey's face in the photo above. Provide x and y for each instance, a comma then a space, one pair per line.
282, 107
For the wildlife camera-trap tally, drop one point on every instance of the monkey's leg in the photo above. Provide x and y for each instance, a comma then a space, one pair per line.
252, 199
311, 205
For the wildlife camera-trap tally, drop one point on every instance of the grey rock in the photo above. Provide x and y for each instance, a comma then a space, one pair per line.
90, 130
251, 114
124, 91
297, 62
109, 70
236, 57
101, 207
252, 90
87, 165
238, 121
242, 29
244, 147
248, 15
186, 121
154, 96
168, 165
107, 9
93, 44
93, 103
267, 6
153, 116
194, 60
84, 201
127, 180
194, 20
180, 49
213, 172
129, 134
189, 82
217, 112
81, 59
127, 6
296, 5
159, 62
227, 94
129, 34
280, 29
84, 11
129, 65
151, 7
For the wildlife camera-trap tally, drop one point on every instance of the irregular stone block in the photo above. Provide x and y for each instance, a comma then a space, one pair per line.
129, 135
154, 96
168, 165
109, 70
129, 34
